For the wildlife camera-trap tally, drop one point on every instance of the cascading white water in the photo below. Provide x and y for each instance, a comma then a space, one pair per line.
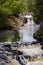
26, 32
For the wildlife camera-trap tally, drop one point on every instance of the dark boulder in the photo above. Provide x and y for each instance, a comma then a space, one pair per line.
42, 47
34, 42
38, 37
16, 52
7, 47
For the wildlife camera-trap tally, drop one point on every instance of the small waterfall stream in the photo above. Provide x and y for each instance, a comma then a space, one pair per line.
27, 31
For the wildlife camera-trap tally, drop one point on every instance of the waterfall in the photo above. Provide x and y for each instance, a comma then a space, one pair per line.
27, 31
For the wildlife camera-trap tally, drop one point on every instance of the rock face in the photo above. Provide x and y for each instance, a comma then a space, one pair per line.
9, 35
38, 37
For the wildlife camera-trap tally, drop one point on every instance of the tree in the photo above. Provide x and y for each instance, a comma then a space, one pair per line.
38, 15
30, 5
4, 15
15, 6
38, 12
18, 6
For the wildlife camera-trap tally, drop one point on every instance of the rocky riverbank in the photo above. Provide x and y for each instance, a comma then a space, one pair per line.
20, 54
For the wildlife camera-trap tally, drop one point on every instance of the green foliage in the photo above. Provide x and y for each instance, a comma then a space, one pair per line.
30, 5
4, 14
38, 12
10, 36
14, 6
38, 16
13, 37
18, 6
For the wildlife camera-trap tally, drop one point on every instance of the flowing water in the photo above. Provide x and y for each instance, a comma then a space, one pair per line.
27, 31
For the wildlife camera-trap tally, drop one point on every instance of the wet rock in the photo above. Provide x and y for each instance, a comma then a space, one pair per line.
15, 44
42, 47
28, 57
21, 60
26, 43
38, 37
1, 48
16, 52
34, 42
7, 47
41, 43
4, 58
3, 63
